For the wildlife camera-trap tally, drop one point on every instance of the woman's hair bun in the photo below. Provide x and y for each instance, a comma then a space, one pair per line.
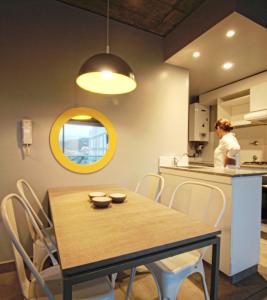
224, 124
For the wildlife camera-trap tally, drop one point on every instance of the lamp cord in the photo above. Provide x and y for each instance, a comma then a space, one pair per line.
107, 48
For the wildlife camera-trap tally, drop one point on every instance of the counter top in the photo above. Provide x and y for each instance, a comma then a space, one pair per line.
243, 166
222, 172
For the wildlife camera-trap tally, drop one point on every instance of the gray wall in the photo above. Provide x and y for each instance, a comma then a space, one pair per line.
43, 44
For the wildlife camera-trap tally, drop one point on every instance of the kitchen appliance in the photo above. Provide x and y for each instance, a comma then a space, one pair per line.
264, 204
198, 123
257, 117
261, 165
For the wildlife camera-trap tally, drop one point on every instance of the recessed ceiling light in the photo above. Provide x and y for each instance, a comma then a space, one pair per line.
227, 65
230, 33
196, 54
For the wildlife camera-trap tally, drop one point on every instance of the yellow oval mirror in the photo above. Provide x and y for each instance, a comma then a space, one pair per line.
83, 140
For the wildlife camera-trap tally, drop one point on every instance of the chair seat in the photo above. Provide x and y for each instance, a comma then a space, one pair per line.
97, 289
177, 263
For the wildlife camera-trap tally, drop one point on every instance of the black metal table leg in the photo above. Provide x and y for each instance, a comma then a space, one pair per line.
215, 269
67, 289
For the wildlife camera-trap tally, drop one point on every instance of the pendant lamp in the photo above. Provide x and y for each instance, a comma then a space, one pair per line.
106, 73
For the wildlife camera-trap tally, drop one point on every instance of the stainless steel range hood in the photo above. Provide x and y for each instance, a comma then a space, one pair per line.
257, 117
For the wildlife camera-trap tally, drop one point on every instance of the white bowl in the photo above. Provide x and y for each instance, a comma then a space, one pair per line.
118, 197
96, 194
101, 202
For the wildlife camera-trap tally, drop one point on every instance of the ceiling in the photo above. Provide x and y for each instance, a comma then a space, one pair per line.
247, 50
155, 16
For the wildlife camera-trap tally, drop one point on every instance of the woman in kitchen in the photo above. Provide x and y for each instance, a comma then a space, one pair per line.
227, 153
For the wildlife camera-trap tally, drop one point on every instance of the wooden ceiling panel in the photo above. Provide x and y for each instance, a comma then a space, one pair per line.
166, 24
170, 2
187, 6
134, 19
151, 9
155, 16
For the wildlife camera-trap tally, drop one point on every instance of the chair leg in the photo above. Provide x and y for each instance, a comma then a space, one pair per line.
204, 284
132, 276
113, 279
170, 294
156, 282
167, 286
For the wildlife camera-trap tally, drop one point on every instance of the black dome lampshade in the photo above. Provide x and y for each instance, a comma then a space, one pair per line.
106, 73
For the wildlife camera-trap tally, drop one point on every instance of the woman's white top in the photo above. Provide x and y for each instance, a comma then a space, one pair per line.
228, 147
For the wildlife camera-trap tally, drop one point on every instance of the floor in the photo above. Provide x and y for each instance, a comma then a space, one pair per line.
252, 288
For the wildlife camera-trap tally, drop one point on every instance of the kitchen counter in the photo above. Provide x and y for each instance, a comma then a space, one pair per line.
221, 172
241, 223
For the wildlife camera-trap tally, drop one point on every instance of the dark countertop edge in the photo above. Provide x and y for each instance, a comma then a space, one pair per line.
257, 173
258, 167
202, 163
243, 166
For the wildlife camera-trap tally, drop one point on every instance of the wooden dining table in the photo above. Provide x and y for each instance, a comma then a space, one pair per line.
94, 242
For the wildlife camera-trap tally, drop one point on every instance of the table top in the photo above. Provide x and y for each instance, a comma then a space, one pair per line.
94, 237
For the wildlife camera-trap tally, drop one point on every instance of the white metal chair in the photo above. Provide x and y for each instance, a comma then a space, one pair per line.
39, 249
200, 201
46, 284
151, 186
23, 186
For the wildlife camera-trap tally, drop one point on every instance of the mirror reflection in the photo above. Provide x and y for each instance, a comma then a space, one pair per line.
83, 139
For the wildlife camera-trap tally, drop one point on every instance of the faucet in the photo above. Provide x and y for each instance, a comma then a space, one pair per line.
176, 160
255, 143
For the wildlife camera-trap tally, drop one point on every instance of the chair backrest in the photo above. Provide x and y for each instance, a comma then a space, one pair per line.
9, 221
24, 186
201, 201
151, 186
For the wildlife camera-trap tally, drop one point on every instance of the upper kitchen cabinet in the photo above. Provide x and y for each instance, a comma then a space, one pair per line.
241, 101
258, 104
258, 97
234, 107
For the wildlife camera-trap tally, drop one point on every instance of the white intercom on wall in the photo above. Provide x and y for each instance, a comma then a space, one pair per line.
26, 128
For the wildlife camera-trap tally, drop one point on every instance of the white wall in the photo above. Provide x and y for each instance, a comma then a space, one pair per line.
43, 44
